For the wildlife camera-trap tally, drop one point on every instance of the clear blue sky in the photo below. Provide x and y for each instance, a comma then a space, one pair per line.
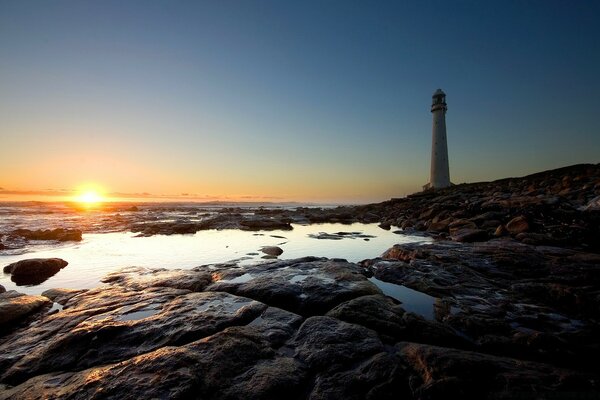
295, 100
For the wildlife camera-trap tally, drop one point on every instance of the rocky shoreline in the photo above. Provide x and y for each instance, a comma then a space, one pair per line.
514, 278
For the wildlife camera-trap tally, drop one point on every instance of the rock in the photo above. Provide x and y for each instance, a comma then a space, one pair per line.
15, 306
340, 235
447, 373
469, 235
440, 226
2, 289
139, 278
34, 270
500, 231
308, 286
60, 234
385, 225
323, 341
593, 205
61, 296
517, 225
510, 318
393, 323
118, 324
461, 224
272, 250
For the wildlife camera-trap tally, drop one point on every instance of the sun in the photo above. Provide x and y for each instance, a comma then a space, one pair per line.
89, 195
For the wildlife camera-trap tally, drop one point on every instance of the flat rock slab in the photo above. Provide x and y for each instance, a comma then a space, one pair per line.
15, 306
191, 334
309, 286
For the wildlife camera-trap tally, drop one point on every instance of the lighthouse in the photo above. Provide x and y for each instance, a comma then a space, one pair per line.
440, 171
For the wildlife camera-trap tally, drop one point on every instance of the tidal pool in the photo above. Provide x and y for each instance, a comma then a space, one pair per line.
101, 253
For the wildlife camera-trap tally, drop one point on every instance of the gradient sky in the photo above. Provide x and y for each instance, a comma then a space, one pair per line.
291, 100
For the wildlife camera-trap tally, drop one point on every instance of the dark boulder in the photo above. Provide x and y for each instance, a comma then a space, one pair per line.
34, 271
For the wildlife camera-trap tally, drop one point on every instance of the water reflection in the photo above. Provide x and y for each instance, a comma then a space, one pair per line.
101, 253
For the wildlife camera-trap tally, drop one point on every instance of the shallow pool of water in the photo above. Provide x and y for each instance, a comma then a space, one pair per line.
100, 253
412, 300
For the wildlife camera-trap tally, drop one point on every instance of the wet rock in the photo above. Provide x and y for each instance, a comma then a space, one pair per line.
440, 226
517, 225
504, 289
393, 323
139, 278
218, 366
60, 234
308, 286
61, 296
15, 306
34, 270
340, 235
2, 289
112, 324
469, 235
272, 250
221, 221
447, 373
325, 341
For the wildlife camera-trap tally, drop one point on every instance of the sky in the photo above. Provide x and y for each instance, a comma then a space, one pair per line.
321, 101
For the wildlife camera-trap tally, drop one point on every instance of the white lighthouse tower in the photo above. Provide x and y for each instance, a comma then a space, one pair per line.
440, 171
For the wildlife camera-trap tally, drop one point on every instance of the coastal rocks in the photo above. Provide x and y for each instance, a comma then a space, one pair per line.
308, 286
220, 221
517, 225
146, 334
469, 235
61, 296
139, 278
272, 250
559, 206
2, 289
15, 306
340, 235
34, 271
60, 234
119, 324
509, 298
438, 373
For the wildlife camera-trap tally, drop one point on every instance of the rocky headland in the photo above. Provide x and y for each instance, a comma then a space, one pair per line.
513, 277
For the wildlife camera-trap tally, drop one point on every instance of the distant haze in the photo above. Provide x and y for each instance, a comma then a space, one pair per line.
324, 101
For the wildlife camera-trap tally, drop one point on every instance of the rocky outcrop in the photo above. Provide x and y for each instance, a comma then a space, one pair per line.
34, 271
219, 221
60, 234
315, 328
554, 207
16, 306
534, 302
272, 250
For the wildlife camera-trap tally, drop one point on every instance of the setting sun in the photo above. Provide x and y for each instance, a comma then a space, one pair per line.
89, 195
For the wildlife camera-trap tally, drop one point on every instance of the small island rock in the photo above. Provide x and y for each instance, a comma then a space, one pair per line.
272, 250
34, 270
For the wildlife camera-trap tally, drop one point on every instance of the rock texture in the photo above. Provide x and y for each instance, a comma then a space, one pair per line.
310, 328
34, 271
60, 234
16, 306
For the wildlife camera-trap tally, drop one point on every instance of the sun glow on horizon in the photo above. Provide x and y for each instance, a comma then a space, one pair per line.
89, 195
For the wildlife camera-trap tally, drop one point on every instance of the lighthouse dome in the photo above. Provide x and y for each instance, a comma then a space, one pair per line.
439, 92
